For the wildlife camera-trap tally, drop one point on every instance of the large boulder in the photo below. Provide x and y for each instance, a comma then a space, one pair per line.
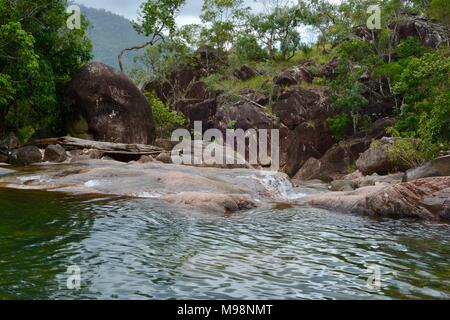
297, 105
103, 104
245, 73
28, 155
425, 199
295, 75
377, 159
310, 139
429, 32
336, 161
198, 110
439, 167
55, 153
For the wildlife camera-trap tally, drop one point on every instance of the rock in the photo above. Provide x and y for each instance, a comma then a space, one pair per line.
4, 172
343, 185
146, 159
104, 105
164, 158
55, 153
310, 139
424, 199
378, 128
86, 154
329, 70
245, 73
311, 170
297, 105
212, 203
197, 110
243, 115
198, 91
436, 168
429, 32
10, 142
4, 157
335, 162
28, 155
297, 74
377, 159
259, 98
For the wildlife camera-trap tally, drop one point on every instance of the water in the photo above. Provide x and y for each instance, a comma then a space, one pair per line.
141, 248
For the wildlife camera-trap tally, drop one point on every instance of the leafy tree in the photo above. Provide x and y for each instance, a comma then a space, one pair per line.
222, 19
440, 10
157, 17
38, 56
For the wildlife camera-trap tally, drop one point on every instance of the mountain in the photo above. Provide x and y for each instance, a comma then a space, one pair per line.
110, 33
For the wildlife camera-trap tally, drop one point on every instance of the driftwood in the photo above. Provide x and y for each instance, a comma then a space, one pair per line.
70, 143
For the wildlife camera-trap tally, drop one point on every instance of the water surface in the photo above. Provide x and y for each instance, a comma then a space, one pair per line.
143, 249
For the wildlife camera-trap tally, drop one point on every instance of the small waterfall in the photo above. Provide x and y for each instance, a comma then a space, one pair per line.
279, 184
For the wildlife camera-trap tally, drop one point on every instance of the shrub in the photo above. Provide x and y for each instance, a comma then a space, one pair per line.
339, 125
165, 120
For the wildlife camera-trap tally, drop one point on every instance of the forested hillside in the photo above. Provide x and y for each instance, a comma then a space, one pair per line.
110, 33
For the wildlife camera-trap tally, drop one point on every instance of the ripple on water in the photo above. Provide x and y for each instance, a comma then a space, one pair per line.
142, 249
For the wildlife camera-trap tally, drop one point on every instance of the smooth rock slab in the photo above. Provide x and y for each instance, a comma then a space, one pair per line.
212, 202
425, 199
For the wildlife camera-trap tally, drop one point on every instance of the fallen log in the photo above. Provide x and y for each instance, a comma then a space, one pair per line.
70, 143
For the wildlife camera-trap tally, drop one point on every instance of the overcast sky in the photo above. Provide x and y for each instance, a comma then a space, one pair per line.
129, 8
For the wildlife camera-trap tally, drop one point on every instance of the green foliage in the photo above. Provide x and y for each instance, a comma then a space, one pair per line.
408, 151
424, 85
339, 125
38, 56
166, 120
248, 49
440, 10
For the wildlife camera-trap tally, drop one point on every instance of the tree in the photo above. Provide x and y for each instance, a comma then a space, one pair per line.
440, 10
38, 56
277, 28
157, 17
222, 19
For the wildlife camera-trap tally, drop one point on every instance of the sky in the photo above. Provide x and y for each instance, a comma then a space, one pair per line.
129, 8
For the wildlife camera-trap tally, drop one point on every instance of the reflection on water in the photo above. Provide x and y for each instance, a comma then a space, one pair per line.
140, 249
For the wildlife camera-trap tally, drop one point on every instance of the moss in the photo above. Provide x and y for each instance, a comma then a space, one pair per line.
79, 128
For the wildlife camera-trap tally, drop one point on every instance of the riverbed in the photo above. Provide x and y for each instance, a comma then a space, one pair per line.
140, 247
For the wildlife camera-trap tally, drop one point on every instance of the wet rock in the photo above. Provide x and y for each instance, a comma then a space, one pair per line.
212, 203
4, 172
28, 155
4, 156
164, 158
343, 185
104, 105
245, 73
424, 199
55, 153
146, 159
436, 168
86, 154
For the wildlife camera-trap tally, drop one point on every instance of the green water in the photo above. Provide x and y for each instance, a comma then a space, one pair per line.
141, 249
